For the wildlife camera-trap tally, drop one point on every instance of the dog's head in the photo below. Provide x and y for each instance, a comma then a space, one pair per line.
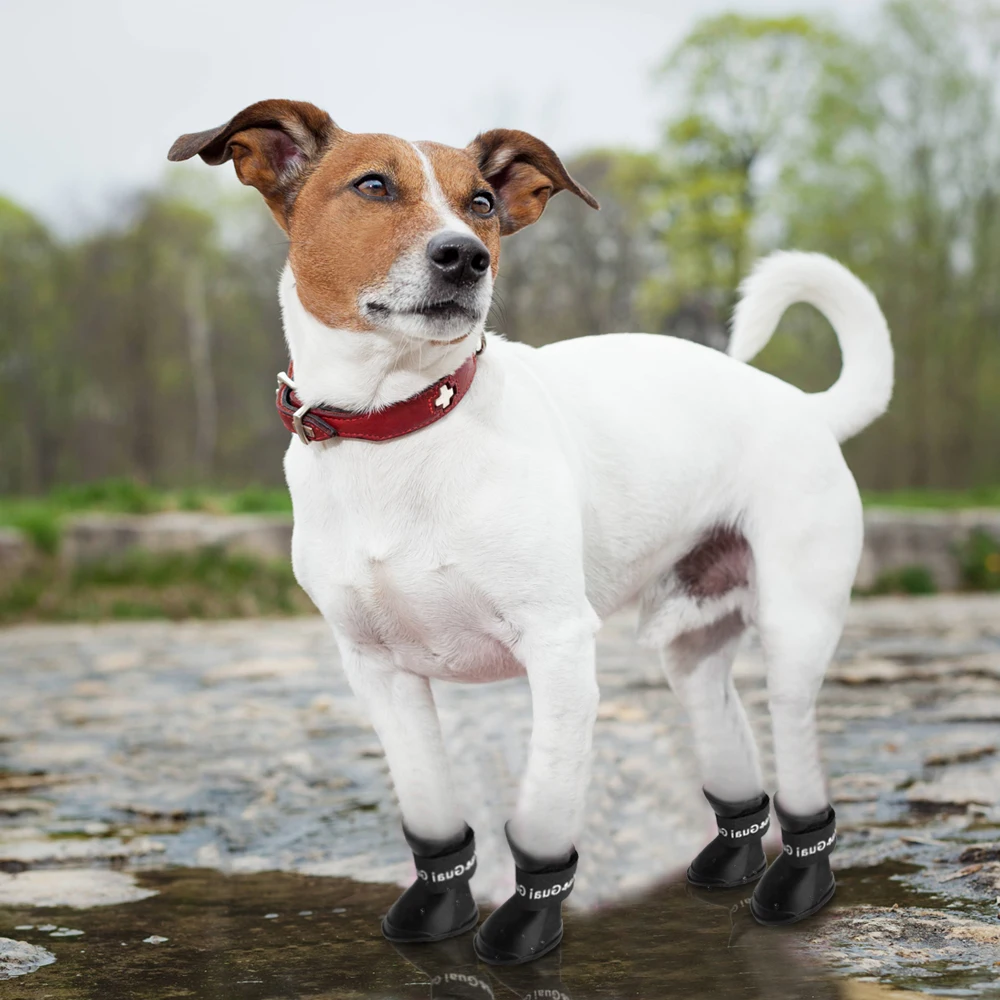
386, 234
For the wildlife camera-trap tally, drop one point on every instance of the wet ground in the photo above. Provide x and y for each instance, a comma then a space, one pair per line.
226, 768
220, 939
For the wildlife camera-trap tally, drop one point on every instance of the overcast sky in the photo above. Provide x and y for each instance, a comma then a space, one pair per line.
95, 91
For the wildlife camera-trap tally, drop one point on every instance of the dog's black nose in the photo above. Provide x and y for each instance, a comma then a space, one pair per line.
461, 259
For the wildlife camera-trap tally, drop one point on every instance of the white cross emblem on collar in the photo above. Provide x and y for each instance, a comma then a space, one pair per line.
444, 396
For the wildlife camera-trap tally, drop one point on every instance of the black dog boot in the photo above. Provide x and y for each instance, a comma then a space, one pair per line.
736, 856
439, 904
529, 924
799, 883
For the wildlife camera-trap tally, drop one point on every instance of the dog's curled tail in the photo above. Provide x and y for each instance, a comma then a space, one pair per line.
863, 390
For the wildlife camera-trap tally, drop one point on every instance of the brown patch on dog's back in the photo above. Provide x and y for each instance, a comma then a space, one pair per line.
720, 562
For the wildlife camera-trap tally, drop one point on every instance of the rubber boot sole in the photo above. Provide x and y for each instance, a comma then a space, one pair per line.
768, 921
493, 960
397, 937
746, 880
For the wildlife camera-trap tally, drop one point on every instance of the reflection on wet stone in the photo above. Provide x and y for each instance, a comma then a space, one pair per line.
219, 943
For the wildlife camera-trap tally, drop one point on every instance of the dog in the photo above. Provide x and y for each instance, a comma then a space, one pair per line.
469, 509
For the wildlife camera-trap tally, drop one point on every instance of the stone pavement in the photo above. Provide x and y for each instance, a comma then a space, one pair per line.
236, 746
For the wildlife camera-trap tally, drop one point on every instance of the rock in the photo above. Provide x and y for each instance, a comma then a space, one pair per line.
16, 554
979, 933
21, 806
869, 670
160, 811
895, 539
902, 940
96, 537
118, 661
863, 787
960, 756
44, 851
961, 873
972, 708
980, 853
18, 958
55, 753
852, 989
621, 712
77, 889
885, 670
29, 782
260, 669
958, 789
911, 622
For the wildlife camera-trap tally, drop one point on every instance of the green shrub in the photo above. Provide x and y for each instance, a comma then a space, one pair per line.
257, 500
979, 559
914, 580
122, 496
192, 499
40, 524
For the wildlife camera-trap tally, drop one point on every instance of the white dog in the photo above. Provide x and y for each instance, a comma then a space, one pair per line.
473, 516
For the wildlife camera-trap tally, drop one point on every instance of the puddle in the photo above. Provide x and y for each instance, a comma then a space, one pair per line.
273, 936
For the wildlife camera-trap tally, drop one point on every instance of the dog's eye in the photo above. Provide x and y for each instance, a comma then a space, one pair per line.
372, 186
482, 203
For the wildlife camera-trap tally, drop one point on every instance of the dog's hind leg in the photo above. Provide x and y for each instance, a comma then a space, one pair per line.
806, 561
439, 904
698, 665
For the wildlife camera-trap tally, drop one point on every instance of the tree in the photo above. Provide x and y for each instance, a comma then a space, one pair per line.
35, 376
577, 271
906, 191
743, 88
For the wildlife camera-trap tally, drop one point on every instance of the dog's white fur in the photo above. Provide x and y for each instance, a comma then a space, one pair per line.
571, 480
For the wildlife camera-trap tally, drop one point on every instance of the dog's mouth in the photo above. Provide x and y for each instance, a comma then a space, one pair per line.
444, 309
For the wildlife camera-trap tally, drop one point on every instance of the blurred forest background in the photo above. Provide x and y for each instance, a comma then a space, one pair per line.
148, 349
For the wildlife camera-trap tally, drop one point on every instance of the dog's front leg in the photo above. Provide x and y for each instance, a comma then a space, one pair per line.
549, 813
439, 904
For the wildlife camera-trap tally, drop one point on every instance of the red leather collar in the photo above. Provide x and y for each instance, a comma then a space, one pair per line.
320, 423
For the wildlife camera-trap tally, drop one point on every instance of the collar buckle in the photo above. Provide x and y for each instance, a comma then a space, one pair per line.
305, 433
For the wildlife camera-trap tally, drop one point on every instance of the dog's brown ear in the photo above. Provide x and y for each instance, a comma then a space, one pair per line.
524, 172
271, 143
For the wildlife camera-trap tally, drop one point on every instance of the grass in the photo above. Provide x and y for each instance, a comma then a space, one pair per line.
981, 496
204, 584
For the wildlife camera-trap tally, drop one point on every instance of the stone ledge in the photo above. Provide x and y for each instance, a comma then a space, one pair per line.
96, 537
16, 553
894, 539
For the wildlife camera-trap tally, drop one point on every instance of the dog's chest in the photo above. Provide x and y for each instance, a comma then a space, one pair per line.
387, 572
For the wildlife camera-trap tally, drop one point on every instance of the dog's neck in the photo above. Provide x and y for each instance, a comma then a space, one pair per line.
357, 371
